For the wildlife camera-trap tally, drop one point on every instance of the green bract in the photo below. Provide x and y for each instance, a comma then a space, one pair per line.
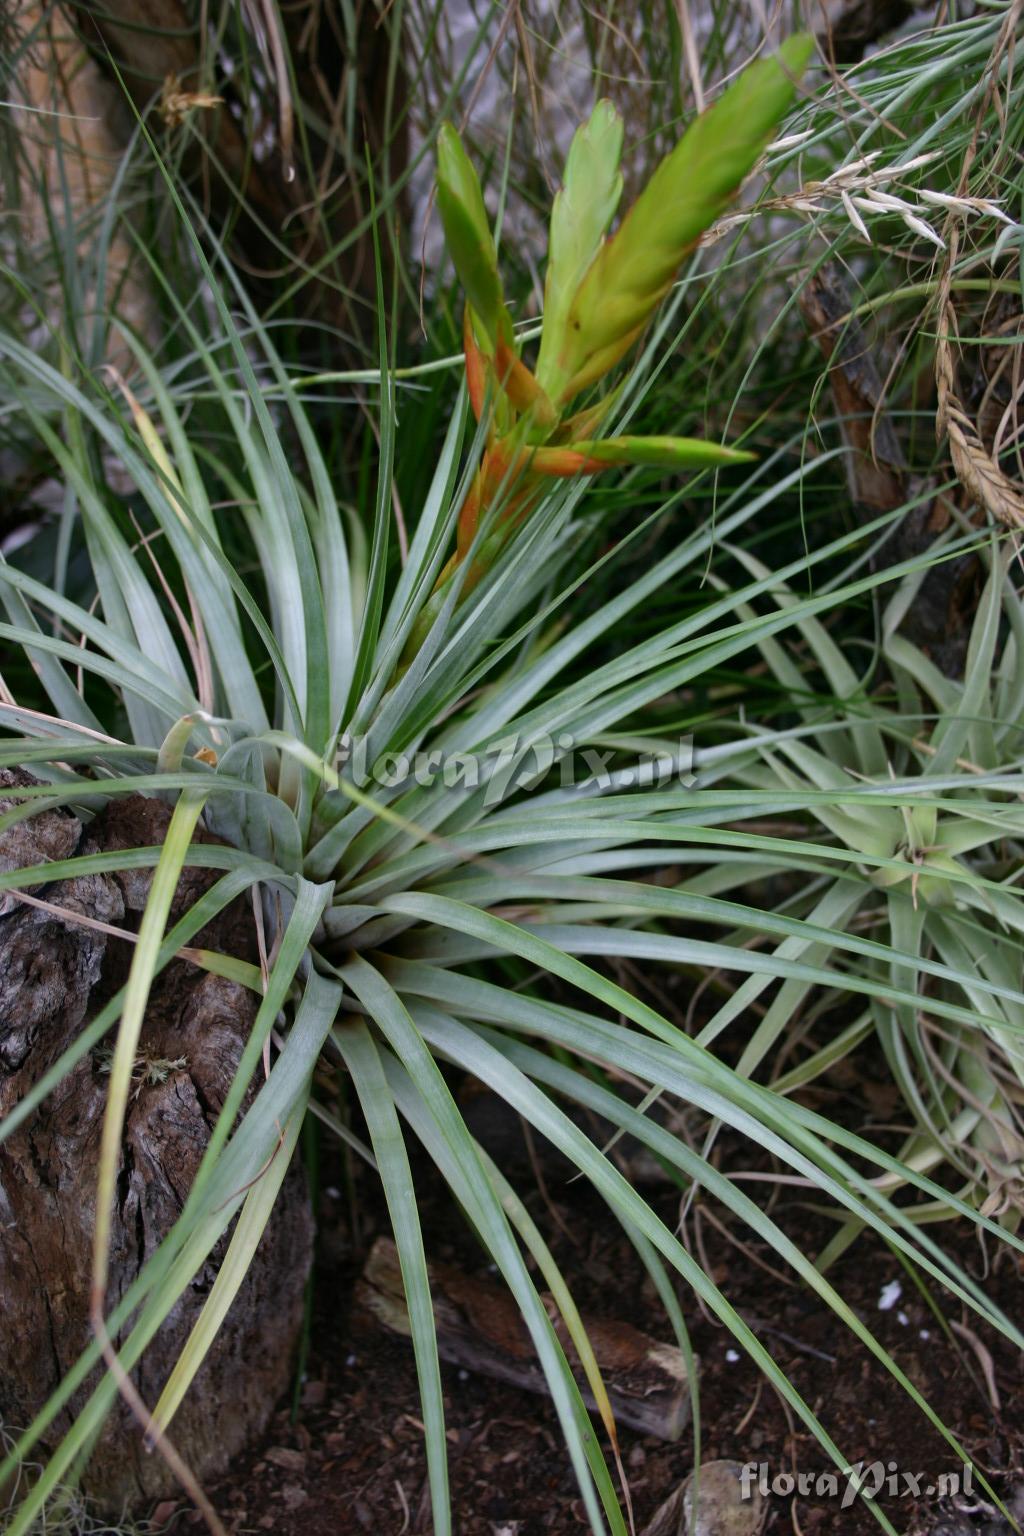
468, 233
582, 212
690, 189
660, 452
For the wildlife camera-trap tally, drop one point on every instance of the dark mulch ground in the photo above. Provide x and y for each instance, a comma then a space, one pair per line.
351, 1458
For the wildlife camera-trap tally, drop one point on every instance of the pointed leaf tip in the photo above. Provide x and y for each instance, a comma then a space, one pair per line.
692, 186
468, 234
661, 452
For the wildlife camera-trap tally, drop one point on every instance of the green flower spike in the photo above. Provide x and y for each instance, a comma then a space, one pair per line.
599, 295
633, 271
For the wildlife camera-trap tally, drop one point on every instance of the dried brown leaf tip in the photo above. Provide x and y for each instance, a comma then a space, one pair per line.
176, 103
976, 468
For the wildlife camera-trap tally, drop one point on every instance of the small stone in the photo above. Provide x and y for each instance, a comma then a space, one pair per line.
294, 1495
163, 1512
889, 1295
282, 1456
726, 1506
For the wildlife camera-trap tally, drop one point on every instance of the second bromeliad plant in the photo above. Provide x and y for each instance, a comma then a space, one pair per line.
599, 296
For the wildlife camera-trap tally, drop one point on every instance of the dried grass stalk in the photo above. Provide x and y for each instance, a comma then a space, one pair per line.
976, 468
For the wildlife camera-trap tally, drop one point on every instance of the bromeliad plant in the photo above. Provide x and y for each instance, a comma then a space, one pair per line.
933, 872
409, 910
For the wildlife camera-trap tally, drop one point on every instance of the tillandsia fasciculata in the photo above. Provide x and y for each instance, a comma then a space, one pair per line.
600, 293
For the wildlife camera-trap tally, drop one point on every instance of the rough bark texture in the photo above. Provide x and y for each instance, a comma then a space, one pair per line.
53, 977
68, 155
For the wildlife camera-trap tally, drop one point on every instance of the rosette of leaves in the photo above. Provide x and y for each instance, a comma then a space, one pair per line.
914, 838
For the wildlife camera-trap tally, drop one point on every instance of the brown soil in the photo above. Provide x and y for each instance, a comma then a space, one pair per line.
351, 1458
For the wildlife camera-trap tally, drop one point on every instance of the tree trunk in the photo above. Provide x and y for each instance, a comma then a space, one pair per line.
262, 202
54, 975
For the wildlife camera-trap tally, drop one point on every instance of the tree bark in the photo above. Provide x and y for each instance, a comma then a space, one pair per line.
54, 975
